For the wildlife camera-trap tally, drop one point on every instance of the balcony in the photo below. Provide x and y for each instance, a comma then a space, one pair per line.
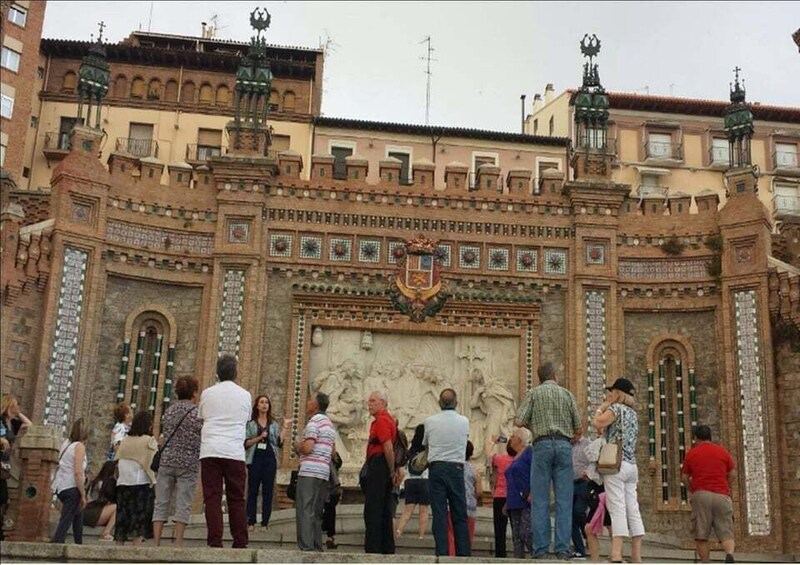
56, 145
199, 154
719, 157
663, 151
649, 191
786, 161
137, 147
786, 205
602, 146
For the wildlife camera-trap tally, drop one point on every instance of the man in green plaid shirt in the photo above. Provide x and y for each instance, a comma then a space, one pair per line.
551, 413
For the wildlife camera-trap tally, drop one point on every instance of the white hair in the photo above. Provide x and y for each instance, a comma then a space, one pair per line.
524, 435
382, 395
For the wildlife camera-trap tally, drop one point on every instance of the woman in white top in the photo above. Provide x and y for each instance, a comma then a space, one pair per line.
68, 483
135, 494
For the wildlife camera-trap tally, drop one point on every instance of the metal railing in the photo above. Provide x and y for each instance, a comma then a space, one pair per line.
195, 152
591, 145
785, 159
785, 204
138, 147
663, 150
56, 141
719, 156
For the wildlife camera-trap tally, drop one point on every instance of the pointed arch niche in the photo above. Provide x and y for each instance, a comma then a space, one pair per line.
671, 415
148, 361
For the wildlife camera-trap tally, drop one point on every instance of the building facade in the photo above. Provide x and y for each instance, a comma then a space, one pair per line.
518, 249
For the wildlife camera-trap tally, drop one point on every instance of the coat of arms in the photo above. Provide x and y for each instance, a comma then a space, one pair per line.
417, 289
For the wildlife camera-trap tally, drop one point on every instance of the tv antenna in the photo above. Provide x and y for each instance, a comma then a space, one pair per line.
150, 18
427, 58
646, 89
328, 46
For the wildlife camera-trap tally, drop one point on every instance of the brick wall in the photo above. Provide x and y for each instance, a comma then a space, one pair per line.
787, 364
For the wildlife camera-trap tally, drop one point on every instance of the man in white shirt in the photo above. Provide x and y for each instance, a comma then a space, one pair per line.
446, 437
224, 409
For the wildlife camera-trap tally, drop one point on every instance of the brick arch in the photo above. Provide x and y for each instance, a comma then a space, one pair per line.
121, 86
154, 89
69, 82
187, 92
158, 309
669, 340
138, 87
289, 101
171, 91
206, 93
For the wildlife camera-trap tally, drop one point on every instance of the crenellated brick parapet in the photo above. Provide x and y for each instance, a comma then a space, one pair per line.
26, 254
784, 293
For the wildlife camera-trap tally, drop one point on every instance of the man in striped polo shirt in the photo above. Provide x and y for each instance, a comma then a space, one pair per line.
315, 450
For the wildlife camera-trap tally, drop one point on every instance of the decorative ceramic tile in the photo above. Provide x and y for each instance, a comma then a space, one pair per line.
744, 253
529, 367
280, 245
469, 257
395, 251
65, 338
369, 251
751, 392
238, 232
595, 304
81, 213
231, 318
444, 252
297, 390
340, 249
555, 262
595, 254
310, 247
527, 260
136, 235
671, 269
498, 259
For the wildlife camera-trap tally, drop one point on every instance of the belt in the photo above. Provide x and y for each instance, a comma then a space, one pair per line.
436, 463
581, 480
551, 436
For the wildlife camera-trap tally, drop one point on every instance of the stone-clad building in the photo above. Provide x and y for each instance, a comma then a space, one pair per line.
409, 258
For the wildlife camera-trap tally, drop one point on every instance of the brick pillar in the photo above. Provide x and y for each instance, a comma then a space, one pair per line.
38, 451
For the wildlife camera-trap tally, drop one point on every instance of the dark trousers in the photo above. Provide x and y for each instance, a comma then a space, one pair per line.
446, 483
378, 535
213, 471
71, 515
580, 505
500, 526
329, 515
261, 473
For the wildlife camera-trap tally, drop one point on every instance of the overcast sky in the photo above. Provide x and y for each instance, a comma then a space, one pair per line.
488, 54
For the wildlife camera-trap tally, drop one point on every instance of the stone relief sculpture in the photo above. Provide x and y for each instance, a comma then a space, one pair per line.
413, 370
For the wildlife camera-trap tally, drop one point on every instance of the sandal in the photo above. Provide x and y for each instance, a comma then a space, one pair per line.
106, 537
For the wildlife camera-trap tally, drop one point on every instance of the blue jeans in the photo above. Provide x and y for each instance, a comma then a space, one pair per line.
261, 473
551, 462
71, 515
580, 505
446, 483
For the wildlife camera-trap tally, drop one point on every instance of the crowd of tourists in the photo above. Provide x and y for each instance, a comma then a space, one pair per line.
232, 444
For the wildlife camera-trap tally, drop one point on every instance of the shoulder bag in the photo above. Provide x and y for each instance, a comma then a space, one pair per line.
157, 457
610, 458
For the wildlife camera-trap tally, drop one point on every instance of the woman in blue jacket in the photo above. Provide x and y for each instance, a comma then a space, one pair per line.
264, 438
518, 487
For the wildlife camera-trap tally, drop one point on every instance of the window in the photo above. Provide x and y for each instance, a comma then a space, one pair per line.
280, 142
787, 198
17, 15
339, 164
209, 143
289, 100
541, 167
120, 86
659, 145
2, 154
9, 59
552, 124
222, 95
595, 138
536, 126
187, 92
154, 90
6, 106
34, 121
171, 91
274, 101
69, 81
137, 88
206, 94
140, 139
40, 72
405, 168
64, 129
785, 155
720, 151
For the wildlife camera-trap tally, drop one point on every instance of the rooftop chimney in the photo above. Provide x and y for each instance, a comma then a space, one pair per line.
537, 103
203, 33
548, 93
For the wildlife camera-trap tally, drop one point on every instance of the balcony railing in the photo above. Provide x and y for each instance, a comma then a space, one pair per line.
648, 190
56, 141
719, 156
787, 205
663, 150
138, 147
591, 145
785, 160
195, 152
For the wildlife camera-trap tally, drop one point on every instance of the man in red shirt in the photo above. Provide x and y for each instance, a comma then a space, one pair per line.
381, 477
708, 471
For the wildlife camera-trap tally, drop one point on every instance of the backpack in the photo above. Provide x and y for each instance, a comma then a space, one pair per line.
400, 447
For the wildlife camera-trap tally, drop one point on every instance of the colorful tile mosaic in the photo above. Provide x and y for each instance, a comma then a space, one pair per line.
555, 262
280, 245
232, 312
595, 254
498, 259
310, 247
469, 257
340, 249
369, 251
671, 269
238, 232
81, 213
751, 392
527, 260
395, 251
65, 339
444, 251
135, 235
529, 357
595, 304
297, 391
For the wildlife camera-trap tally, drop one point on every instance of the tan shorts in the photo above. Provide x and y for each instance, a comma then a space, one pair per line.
712, 511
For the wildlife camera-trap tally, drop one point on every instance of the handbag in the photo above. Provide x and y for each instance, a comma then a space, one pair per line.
362, 477
420, 461
610, 459
291, 490
157, 457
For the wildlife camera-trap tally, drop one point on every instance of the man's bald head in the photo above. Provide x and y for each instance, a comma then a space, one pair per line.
447, 399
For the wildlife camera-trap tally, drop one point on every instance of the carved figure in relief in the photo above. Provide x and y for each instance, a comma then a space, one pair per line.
493, 407
343, 387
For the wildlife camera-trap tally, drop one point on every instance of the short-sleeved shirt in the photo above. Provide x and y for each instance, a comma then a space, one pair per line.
118, 433
470, 488
625, 426
708, 465
446, 437
500, 462
580, 461
182, 429
381, 430
317, 464
550, 409
225, 409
